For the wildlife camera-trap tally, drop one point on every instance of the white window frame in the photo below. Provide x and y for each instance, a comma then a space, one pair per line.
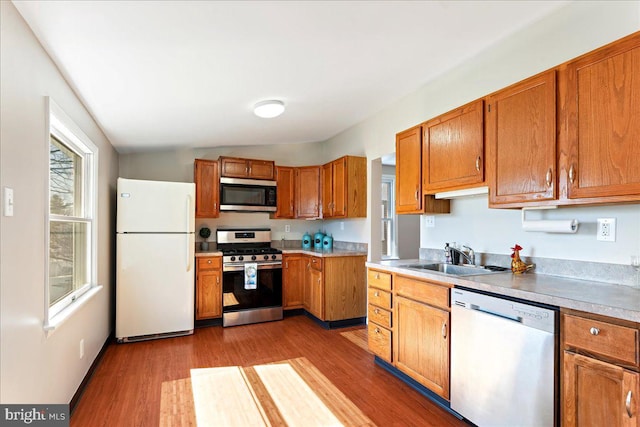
66, 131
391, 180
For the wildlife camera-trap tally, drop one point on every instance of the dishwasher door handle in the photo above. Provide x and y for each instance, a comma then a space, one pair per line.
493, 313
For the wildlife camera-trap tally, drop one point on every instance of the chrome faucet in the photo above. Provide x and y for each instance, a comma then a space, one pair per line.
470, 256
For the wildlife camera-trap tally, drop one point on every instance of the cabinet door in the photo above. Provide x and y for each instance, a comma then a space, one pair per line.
208, 294
313, 292
421, 344
597, 394
409, 171
285, 179
207, 180
307, 192
293, 281
339, 188
521, 142
261, 169
327, 190
453, 155
600, 95
232, 167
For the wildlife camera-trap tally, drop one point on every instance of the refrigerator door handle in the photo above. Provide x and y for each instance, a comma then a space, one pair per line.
187, 251
188, 216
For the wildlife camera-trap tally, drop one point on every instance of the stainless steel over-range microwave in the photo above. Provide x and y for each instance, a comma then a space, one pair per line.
248, 195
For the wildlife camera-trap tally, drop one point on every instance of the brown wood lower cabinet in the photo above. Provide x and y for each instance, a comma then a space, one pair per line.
335, 287
598, 393
421, 344
314, 288
409, 327
294, 269
601, 379
208, 288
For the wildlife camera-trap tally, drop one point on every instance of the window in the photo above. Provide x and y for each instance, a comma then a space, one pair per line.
71, 218
389, 245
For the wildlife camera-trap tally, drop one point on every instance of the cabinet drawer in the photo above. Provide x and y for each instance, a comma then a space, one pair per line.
316, 263
426, 292
618, 342
380, 341
209, 263
378, 279
380, 298
380, 316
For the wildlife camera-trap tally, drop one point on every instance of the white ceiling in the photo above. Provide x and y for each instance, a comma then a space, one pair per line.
165, 74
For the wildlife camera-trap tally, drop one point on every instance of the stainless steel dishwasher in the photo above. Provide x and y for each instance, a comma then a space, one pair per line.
503, 361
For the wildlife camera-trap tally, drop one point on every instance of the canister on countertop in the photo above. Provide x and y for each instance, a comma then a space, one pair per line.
327, 243
306, 241
317, 240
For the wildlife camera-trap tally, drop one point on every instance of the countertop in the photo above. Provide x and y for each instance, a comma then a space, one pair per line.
313, 252
324, 253
619, 301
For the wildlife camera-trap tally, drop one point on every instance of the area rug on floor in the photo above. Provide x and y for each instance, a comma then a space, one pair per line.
289, 393
358, 337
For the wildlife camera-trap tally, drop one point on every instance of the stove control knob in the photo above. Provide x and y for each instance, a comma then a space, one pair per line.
266, 257
273, 257
240, 258
233, 258
253, 257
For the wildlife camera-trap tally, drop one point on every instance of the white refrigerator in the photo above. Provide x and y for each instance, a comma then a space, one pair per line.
154, 259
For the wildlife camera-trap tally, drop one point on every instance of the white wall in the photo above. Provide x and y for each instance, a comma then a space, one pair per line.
36, 368
576, 29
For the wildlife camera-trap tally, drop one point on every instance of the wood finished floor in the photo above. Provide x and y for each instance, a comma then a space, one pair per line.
125, 387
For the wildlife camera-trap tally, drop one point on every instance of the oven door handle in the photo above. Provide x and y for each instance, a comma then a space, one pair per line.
262, 266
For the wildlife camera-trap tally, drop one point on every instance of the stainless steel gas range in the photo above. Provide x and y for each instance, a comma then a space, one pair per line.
252, 276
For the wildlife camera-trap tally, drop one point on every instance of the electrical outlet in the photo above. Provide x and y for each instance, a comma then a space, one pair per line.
606, 229
430, 221
81, 348
287, 228
341, 225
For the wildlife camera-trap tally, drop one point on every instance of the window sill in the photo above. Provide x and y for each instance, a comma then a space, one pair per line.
56, 321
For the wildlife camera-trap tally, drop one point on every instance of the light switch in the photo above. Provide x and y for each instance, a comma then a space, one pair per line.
8, 201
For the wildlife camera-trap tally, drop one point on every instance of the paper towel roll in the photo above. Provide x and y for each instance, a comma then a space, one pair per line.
566, 226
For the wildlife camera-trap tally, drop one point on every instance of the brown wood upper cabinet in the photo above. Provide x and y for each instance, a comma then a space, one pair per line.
409, 171
307, 192
207, 180
521, 142
453, 149
285, 181
600, 124
344, 188
233, 167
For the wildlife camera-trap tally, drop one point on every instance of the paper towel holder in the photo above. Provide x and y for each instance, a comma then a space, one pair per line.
548, 226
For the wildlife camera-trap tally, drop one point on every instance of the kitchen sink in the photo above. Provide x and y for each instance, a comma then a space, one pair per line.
456, 270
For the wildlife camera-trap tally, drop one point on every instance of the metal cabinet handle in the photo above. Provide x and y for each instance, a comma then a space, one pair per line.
548, 177
376, 311
444, 330
376, 294
377, 276
572, 174
594, 331
628, 404
376, 330
417, 194
218, 279
286, 264
478, 163
209, 261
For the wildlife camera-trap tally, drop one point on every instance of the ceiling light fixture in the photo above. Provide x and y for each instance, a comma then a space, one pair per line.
268, 109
